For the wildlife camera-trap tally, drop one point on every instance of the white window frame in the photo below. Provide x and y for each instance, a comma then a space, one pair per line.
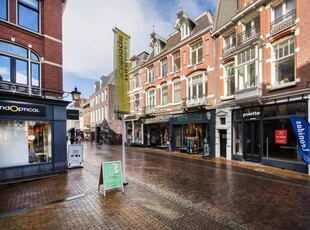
245, 60
176, 58
176, 89
228, 77
164, 89
151, 98
150, 74
164, 67
195, 49
290, 54
193, 85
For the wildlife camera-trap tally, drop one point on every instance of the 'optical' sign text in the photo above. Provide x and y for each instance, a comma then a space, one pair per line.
20, 109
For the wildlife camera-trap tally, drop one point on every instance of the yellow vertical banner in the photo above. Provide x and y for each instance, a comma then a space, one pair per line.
122, 46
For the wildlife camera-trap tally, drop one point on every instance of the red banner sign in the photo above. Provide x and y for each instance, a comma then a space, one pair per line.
281, 137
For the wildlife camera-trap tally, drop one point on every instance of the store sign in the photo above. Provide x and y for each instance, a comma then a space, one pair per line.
22, 109
75, 155
111, 175
251, 114
281, 137
72, 114
302, 132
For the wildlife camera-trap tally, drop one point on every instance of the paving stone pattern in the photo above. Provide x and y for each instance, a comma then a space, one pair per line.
164, 191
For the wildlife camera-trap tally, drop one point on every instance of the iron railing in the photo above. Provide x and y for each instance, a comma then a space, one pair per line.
20, 89
283, 22
248, 35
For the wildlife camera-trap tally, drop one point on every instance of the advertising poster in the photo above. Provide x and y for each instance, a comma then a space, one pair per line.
111, 175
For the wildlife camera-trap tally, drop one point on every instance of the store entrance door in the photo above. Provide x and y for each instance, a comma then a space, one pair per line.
223, 142
252, 145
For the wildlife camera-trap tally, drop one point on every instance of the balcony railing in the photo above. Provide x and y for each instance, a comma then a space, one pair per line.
283, 22
20, 89
229, 49
195, 101
248, 35
150, 109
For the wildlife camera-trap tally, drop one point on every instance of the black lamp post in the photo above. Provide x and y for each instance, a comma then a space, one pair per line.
75, 94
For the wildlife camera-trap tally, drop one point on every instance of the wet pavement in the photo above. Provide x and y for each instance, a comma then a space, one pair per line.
165, 191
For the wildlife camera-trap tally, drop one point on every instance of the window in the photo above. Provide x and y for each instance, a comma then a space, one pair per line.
283, 16
4, 9
14, 65
247, 71
229, 80
196, 87
284, 8
230, 44
176, 91
164, 95
164, 67
25, 142
184, 30
28, 14
176, 62
150, 100
284, 62
137, 102
150, 74
196, 53
136, 81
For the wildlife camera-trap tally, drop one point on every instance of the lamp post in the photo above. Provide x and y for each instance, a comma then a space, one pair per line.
75, 94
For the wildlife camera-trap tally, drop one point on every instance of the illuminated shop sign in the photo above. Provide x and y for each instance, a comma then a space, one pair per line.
22, 109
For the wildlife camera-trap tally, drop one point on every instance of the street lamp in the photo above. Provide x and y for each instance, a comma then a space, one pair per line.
75, 94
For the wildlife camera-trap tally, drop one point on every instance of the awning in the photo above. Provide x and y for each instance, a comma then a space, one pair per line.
132, 118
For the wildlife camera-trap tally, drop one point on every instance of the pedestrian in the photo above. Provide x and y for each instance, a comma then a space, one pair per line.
72, 139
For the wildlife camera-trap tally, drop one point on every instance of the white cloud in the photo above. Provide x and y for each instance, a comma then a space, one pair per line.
87, 29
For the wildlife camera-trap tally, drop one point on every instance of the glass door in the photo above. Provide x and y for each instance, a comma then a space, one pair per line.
252, 144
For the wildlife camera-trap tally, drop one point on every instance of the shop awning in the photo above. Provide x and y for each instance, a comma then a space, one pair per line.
132, 118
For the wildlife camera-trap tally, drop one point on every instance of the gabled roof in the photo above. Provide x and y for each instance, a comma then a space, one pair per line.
202, 22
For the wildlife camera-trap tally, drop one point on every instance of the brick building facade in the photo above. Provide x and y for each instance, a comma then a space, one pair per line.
32, 114
251, 77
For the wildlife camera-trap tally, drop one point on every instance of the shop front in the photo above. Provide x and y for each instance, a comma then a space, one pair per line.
265, 135
156, 132
32, 137
191, 131
134, 129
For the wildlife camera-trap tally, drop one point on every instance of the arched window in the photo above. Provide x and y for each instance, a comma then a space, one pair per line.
19, 66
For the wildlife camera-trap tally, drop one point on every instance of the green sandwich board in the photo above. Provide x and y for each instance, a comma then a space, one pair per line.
111, 175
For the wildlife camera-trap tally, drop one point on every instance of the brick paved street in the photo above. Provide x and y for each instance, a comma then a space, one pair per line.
165, 191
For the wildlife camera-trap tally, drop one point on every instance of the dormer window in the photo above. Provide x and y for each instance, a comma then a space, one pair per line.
184, 24
157, 43
184, 31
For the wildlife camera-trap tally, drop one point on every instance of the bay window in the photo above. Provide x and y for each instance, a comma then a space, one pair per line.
246, 69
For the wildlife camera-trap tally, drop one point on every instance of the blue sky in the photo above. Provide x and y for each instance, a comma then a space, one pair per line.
88, 37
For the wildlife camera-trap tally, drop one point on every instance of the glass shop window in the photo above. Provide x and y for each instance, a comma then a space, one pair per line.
25, 142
